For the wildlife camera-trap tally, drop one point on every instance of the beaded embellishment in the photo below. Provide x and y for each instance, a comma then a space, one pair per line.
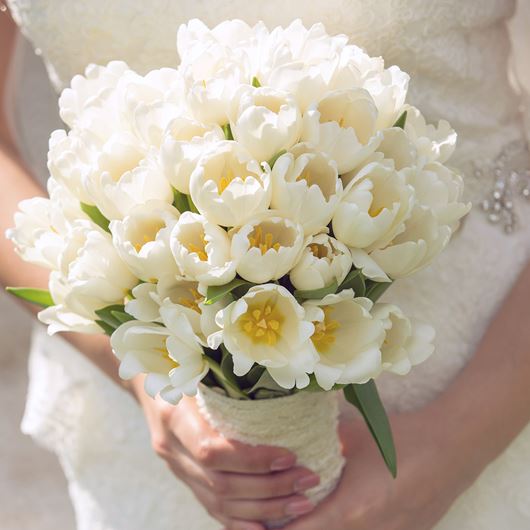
509, 185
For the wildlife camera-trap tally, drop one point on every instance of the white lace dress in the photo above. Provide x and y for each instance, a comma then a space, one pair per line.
457, 52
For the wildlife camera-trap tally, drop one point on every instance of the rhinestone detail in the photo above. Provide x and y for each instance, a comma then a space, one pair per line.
509, 185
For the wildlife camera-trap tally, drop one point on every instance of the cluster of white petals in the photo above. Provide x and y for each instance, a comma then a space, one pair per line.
284, 158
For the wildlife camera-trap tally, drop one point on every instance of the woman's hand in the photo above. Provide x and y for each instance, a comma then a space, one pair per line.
432, 472
236, 483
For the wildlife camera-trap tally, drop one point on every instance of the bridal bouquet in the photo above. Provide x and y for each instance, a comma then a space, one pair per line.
231, 222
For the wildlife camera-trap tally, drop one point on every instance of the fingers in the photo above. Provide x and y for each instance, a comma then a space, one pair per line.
214, 452
219, 454
268, 509
252, 510
255, 487
240, 486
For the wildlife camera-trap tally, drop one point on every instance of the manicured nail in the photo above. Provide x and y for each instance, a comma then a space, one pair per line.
299, 508
307, 482
281, 464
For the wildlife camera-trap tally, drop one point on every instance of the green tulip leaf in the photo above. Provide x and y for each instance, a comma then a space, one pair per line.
376, 290
401, 121
96, 216
366, 398
316, 294
106, 315
354, 280
216, 292
41, 297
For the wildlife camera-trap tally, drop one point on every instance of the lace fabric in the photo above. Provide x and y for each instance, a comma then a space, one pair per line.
451, 48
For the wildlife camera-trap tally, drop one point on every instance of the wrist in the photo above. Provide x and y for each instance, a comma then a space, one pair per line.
457, 433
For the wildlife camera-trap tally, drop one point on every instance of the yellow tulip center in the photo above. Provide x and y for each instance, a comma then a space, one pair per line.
374, 210
149, 234
319, 251
324, 336
263, 241
199, 249
262, 324
225, 180
165, 354
192, 301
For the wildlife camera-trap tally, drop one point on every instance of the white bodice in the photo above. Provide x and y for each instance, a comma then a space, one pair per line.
457, 52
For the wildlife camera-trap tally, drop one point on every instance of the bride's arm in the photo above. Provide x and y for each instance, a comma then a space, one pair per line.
16, 185
235, 483
443, 447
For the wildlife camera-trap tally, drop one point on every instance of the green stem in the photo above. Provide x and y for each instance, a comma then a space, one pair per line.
227, 385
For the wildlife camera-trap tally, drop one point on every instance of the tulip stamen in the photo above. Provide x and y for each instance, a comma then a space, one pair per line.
149, 235
262, 325
373, 211
262, 241
324, 336
225, 180
165, 354
199, 250
319, 251
193, 301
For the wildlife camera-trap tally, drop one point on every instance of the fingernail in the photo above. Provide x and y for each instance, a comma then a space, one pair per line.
299, 508
307, 482
281, 464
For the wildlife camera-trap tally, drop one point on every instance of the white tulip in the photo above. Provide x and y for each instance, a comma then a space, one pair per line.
170, 355
407, 343
205, 52
265, 121
347, 339
306, 187
343, 125
324, 260
300, 60
434, 143
123, 179
88, 90
228, 186
440, 189
210, 98
413, 249
145, 302
42, 225
267, 326
151, 120
202, 250
388, 89
267, 247
184, 143
178, 296
142, 240
374, 207
71, 161
307, 83
396, 146
91, 276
